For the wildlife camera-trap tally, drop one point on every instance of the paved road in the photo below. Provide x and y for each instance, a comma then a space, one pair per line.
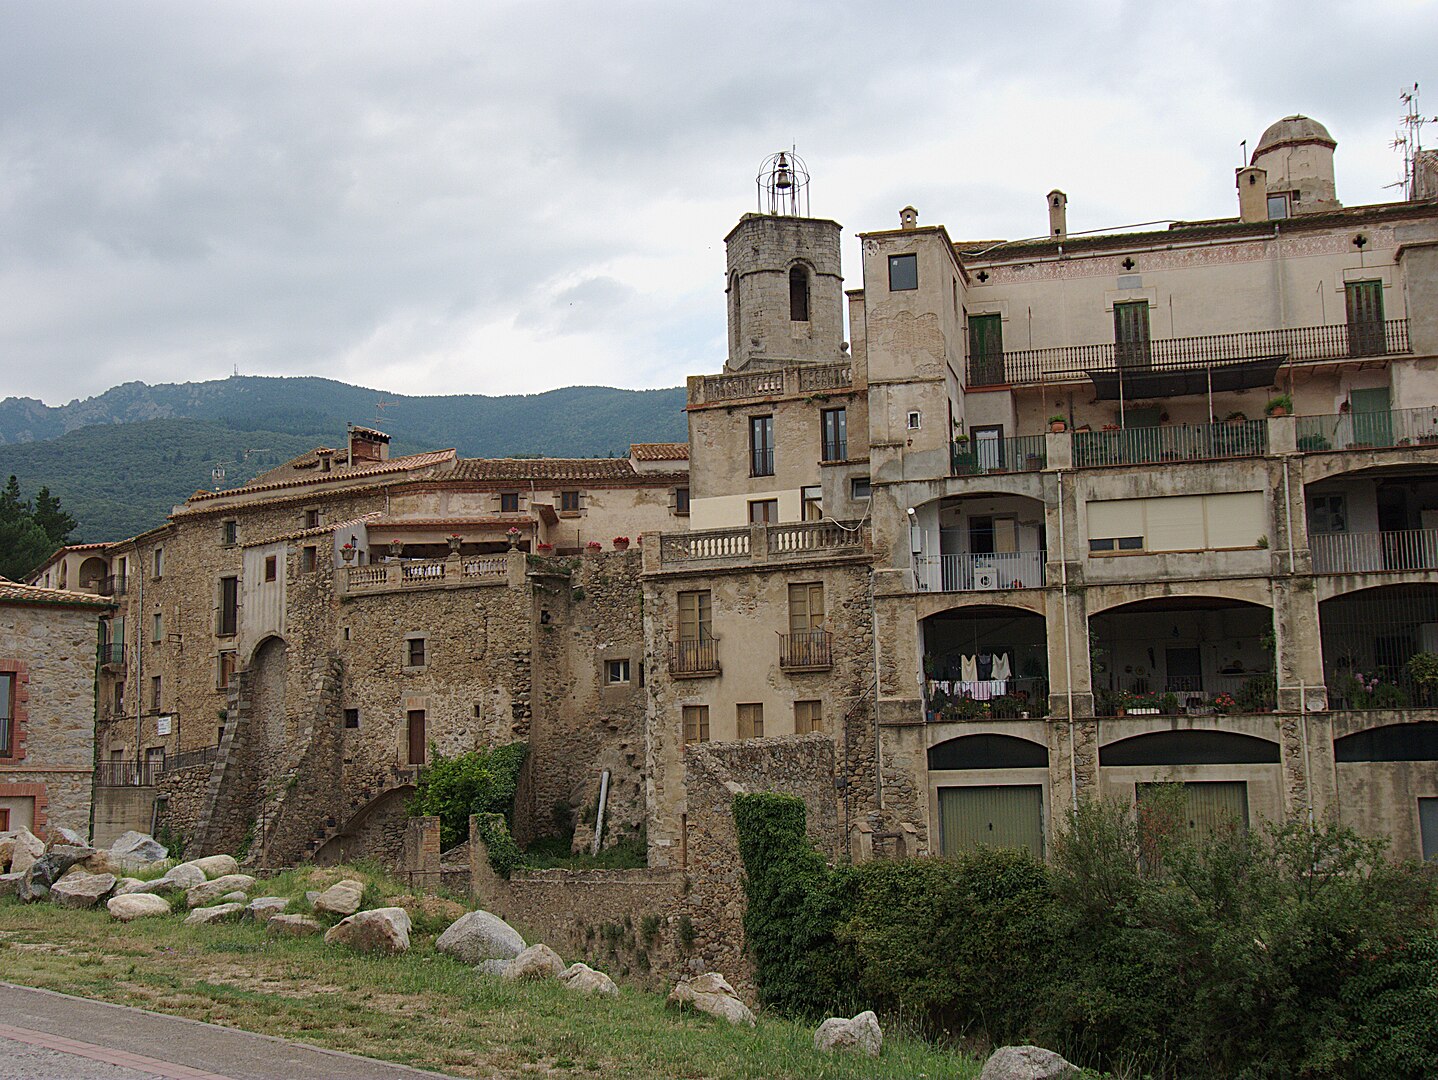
50, 1035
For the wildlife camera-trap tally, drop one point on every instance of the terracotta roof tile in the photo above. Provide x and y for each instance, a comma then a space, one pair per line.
523, 470
276, 478
659, 451
13, 593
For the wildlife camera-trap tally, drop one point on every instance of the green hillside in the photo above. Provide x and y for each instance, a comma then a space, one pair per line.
119, 461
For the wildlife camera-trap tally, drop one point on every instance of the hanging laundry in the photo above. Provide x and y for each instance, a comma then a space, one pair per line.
969, 669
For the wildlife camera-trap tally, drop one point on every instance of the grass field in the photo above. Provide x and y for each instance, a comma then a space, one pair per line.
422, 1008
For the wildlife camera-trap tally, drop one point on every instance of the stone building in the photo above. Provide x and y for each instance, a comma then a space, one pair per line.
1068, 515
47, 706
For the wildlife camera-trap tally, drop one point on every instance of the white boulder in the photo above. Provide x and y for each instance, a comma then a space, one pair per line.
586, 980
341, 898
377, 930
711, 993
78, 889
203, 916
137, 906
214, 866
538, 961
293, 925
213, 890
264, 908
861, 1034
1027, 1063
478, 936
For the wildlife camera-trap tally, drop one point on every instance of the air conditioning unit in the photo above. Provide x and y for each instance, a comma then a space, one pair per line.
986, 576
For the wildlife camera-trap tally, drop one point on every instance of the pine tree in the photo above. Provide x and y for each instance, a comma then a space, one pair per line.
12, 507
49, 516
23, 546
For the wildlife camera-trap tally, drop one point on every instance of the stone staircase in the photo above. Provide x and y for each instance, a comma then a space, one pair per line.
236, 720
394, 778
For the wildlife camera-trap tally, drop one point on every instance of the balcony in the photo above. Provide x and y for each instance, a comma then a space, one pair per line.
980, 573
1196, 442
984, 457
759, 385
1192, 365
693, 659
760, 543
114, 585
807, 650
1364, 552
425, 573
111, 654
1368, 430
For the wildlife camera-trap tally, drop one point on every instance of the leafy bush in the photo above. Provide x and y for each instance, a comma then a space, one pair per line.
1289, 951
479, 782
504, 854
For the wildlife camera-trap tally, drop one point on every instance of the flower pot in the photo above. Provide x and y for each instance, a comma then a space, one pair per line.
454, 542
621, 545
1278, 410
1058, 428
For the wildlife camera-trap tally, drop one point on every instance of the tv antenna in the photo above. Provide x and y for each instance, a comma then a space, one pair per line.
218, 472
1409, 141
380, 406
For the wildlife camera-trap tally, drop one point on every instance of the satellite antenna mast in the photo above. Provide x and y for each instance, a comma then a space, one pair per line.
380, 406
1409, 141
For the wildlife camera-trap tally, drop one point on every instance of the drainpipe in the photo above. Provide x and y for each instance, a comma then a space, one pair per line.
1068, 656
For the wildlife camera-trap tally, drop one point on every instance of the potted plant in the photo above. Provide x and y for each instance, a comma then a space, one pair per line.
1282, 405
1223, 703
513, 536
594, 547
396, 548
545, 548
347, 553
1058, 423
621, 543
454, 541
1236, 417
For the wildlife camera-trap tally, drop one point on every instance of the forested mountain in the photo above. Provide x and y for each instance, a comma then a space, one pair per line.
119, 461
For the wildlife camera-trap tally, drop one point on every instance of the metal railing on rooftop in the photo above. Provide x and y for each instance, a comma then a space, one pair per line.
1364, 430
1076, 362
1196, 442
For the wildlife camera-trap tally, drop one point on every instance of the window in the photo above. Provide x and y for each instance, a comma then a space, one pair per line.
751, 720
1365, 318
761, 446
272, 564
695, 616
1278, 206
119, 698
681, 500
806, 607
309, 558
569, 502
813, 503
414, 721
312, 519
696, 723
351, 718
159, 561
913, 421
156, 695
157, 627
798, 294
859, 487
1227, 521
986, 350
808, 717
1327, 513
7, 712
229, 532
834, 425
229, 606
509, 502
763, 511
617, 671
225, 669
1130, 334
414, 652
903, 272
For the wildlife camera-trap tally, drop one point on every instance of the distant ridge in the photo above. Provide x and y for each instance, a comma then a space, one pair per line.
119, 461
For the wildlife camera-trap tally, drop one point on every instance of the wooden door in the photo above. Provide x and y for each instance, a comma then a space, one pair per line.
416, 736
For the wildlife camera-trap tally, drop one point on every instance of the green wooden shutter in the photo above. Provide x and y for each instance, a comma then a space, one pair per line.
1365, 318
1130, 335
986, 350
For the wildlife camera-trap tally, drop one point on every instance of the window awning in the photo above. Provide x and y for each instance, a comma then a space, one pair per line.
1148, 382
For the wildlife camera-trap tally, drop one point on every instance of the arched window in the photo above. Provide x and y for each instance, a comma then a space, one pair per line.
798, 294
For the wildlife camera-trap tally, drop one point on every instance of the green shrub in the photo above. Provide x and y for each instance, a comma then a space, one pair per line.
504, 854
479, 782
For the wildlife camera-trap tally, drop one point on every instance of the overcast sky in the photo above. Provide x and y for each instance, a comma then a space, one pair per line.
482, 197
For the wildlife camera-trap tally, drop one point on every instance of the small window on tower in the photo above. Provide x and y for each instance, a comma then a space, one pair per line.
903, 272
351, 718
271, 567
798, 294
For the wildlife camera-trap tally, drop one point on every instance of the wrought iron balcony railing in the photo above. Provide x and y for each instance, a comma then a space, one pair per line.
111, 652
982, 457
1368, 430
1196, 354
693, 657
811, 650
979, 573
1189, 442
1362, 552
114, 585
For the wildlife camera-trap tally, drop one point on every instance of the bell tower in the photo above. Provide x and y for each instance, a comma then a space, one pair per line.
785, 288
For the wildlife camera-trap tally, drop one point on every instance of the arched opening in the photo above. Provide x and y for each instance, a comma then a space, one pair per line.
985, 661
798, 294
92, 574
1166, 748
1376, 647
1392, 742
1388, 785
980, 543
1194, 655
269, 673
987, 751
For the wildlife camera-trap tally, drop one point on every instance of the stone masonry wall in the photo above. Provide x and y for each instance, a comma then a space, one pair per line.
50, 650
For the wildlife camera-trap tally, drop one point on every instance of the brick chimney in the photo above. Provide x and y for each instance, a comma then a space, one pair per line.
367, 444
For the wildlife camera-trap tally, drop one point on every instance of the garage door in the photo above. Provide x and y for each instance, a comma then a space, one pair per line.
1009, 816
1209, 805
